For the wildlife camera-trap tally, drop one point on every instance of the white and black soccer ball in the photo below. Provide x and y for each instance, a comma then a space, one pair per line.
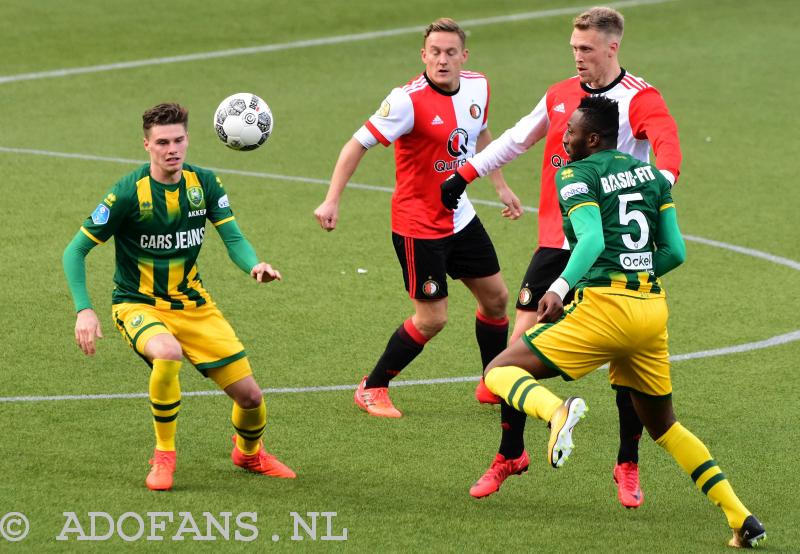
243, 121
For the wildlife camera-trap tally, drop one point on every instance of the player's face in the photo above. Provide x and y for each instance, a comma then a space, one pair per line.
576, 140
444, 55
595, 54
167, 147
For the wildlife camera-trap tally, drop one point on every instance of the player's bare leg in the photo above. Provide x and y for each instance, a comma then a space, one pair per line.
523, 320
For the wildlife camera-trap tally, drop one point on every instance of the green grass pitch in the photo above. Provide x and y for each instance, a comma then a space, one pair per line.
724, 67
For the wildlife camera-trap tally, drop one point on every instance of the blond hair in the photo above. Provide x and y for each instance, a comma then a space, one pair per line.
445, 25
605, 20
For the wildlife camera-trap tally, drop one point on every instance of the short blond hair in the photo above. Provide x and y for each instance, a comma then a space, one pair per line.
445, 25
605, 20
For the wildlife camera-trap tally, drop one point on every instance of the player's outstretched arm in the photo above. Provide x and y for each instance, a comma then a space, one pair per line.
328, 212
240, 251
243, 255
87, 325
513, 207
511, 144
670, 247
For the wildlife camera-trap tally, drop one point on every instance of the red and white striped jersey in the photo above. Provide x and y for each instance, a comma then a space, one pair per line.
644, 121
434, 132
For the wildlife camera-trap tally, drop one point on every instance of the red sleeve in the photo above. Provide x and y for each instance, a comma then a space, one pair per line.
650, 119
468, 172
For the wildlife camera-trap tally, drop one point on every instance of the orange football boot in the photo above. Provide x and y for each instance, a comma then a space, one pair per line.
484, 395
626, 476
375, 401
160, 476
261, 462
500, 470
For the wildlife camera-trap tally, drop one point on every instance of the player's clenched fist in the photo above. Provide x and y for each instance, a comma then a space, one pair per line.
327, 214
452, 189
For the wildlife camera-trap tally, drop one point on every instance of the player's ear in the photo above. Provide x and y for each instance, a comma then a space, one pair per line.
613, 48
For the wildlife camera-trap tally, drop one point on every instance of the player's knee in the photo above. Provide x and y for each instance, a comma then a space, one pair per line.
250, 398
502, 301
164, 350
432, 325
495, 305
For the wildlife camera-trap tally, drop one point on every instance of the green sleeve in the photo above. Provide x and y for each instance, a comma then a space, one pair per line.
588, 227
218, 206
74, 259
671, 250
239, 249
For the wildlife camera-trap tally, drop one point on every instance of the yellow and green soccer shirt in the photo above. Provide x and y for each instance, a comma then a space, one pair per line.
158, 230
630, 194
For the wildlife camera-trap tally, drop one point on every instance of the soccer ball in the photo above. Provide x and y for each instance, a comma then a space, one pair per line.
243, 121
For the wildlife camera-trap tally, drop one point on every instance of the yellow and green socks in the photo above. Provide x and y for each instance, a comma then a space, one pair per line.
522, 392
249, 424
165, 401
695, 459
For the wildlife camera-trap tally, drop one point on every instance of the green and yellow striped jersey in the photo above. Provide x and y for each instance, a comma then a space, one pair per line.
630, 194
158, 230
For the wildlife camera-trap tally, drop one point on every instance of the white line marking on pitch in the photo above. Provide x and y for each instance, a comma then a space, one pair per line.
737, 349
774, 341
257, 174
340, 39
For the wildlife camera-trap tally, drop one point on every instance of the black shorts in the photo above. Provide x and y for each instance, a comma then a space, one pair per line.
545, 267
426, 262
